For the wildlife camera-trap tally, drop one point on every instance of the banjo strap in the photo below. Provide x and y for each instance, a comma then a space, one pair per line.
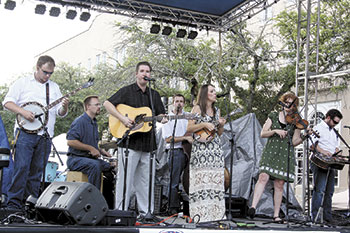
47, 94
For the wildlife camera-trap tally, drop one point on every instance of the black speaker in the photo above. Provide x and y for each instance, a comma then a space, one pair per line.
71, 203
238, 206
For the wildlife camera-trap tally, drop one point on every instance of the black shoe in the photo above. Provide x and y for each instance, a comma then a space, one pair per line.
251, 212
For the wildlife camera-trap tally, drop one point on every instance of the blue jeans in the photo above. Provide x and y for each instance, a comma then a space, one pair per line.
320, 188
32, 152
179, 163
91, 167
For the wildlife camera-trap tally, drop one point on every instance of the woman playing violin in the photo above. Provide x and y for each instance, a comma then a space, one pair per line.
273, 163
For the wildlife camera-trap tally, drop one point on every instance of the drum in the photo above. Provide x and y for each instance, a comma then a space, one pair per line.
50, 171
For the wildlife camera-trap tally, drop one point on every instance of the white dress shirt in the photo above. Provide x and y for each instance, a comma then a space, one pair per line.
328, 140
181, 128
28, 89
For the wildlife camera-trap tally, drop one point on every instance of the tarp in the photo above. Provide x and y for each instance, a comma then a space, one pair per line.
247, 149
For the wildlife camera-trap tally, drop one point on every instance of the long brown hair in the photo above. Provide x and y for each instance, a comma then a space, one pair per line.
202, 99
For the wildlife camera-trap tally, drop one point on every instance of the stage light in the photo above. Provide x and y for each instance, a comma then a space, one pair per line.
181, 33
55, 11
167, 31
40, 9
85, 16
155, 29
71, 14
192, 35
10, 5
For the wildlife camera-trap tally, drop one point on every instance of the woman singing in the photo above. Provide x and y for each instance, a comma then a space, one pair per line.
206, 191
273, 163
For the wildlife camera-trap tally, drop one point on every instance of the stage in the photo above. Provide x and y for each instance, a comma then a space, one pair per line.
178, 224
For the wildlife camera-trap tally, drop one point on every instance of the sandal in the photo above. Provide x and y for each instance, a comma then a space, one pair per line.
278, 220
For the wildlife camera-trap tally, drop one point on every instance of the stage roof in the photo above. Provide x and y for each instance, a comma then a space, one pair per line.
208, 14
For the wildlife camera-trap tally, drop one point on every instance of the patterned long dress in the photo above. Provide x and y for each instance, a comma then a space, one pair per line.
275, 154
206, 190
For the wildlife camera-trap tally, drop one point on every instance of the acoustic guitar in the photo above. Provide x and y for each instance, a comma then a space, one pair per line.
142, 117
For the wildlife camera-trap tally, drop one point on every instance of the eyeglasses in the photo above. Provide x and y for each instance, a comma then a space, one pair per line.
96, 105
335, 122
46, 72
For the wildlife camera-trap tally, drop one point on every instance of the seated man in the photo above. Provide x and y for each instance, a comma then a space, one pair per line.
82, 139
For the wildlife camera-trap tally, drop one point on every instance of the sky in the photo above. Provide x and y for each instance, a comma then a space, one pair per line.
24, 34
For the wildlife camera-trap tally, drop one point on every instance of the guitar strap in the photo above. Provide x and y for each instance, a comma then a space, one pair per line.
47, 93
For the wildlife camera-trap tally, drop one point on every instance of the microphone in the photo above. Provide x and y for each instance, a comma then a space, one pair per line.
148, 79
347, 126
38, 115
222, 94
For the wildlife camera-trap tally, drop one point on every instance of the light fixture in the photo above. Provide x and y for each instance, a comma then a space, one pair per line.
10, 5
71, 14
155, 29
181, 33
192, 35
40, 9
55, 11
167, 31
85, 16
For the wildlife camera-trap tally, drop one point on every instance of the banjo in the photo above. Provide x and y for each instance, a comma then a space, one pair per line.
42, 113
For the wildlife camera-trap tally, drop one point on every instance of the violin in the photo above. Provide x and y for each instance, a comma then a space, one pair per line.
295, 119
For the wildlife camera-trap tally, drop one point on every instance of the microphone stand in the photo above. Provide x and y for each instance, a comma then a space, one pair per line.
172, 145
233, 148
149, 216
46, 137
126, 156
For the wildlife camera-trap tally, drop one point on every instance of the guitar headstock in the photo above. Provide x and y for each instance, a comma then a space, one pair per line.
89, 83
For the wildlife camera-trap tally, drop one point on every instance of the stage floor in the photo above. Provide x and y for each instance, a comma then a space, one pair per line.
179, 225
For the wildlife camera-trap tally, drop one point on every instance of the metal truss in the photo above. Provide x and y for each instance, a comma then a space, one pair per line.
144, 10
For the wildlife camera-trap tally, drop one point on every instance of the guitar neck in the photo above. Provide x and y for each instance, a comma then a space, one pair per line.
60, 99
159, 118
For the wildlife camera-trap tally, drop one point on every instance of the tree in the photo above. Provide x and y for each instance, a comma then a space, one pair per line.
334, 46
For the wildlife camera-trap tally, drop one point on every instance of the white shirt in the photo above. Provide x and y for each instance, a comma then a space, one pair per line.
181, 128
328, 140
28, 89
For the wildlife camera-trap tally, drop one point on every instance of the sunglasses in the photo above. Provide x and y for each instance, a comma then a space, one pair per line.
335, 122
46, 72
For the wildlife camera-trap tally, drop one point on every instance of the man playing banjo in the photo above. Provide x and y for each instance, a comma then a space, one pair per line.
26, 97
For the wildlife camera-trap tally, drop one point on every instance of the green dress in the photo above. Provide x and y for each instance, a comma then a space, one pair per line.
275, 154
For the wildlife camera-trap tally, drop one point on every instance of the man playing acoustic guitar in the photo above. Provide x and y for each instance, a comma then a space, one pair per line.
139, 145
327, 145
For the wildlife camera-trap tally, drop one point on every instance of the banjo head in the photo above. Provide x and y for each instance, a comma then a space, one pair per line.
36, 125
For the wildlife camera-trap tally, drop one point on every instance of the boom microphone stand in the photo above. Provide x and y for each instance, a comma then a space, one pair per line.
149, 216
233, 148
172, 145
